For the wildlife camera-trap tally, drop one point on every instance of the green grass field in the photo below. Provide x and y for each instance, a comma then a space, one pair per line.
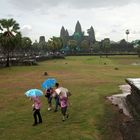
92, 117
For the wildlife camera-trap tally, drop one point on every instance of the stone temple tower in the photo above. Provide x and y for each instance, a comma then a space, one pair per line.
78, 28
42, 39
62, 32
91, 38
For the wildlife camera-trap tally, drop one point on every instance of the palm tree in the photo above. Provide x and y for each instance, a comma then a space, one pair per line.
9, 29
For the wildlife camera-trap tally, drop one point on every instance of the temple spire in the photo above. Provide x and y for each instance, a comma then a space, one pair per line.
62, 32
66, 33
78, 28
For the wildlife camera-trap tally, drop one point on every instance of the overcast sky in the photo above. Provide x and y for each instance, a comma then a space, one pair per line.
109, 18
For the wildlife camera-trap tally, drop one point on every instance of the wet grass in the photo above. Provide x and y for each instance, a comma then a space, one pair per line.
89, 78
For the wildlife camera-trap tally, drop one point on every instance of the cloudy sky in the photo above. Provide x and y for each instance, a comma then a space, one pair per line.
109, 18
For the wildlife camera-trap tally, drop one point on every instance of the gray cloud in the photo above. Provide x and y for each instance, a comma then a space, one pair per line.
46, 4
110, 18
26, 29
113, 31
10, 15
135, 32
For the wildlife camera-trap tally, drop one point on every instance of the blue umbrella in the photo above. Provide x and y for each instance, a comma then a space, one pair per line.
33, 92
48, 83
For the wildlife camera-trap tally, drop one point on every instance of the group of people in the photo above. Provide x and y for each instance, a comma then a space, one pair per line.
60, 95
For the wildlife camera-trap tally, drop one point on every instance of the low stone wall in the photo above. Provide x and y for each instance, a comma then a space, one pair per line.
131, 129
133, 100
129, 103
120, 99
29, 61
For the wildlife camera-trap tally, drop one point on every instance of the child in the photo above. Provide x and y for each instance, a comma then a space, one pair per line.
63, 103
36, 110
48, 95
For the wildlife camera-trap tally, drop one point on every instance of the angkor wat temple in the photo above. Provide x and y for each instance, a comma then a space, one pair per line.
88, 43
79, 42
79, 36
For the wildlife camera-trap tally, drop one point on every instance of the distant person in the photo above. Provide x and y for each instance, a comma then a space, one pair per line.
48, 95
36, 110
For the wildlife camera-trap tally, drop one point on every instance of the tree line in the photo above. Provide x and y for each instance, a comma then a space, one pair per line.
13, 44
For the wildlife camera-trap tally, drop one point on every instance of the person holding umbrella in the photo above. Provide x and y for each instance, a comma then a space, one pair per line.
63, 100
36, 110
48, 85
34, 96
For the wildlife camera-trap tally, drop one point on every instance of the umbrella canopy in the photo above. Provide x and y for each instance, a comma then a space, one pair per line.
33, 93
49, 83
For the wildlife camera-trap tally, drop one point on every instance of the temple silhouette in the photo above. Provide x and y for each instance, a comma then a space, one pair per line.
78, 36
78, 42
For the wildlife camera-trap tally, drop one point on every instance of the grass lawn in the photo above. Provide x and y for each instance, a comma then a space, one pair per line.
92, 117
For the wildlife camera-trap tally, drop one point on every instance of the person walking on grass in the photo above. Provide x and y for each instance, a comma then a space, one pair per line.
56, 96
48, 95
63, 99
36, 110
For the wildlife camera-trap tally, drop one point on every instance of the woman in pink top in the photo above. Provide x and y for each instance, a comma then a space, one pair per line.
63, 103
36, 110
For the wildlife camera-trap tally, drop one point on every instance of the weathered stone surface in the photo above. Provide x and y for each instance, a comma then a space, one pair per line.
78, 28
120, 99
91, 35
131, 129
66, 33
62, 32
133, 100
79, 36
42, 39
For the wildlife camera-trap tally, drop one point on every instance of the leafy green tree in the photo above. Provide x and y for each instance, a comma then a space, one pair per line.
138, 50
84, 46
9, 35
42, 47
136, 45
35, 47
123, 44
106, 45
72, 45
26, 44
96, 47
54, 44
